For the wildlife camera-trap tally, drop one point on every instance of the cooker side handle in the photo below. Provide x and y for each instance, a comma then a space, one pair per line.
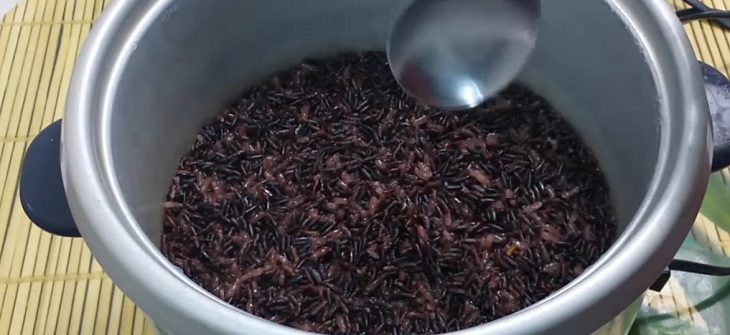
717, 89
42, 193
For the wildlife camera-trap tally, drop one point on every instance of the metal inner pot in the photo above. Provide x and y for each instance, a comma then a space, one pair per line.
153, 72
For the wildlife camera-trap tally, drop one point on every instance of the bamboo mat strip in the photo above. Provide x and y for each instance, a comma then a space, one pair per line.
53, 285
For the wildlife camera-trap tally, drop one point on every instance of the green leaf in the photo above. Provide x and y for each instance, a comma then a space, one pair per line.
716, 205
666, 327
708, 295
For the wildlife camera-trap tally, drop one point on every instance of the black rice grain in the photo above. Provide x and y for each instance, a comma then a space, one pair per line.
328, 200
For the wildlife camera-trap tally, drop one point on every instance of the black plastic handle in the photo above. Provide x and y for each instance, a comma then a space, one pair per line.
717, 89
41, 186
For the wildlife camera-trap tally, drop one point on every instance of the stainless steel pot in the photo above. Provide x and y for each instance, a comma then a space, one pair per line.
153, 72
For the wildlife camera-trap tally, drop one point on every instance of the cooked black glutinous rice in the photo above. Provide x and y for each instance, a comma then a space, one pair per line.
328, 200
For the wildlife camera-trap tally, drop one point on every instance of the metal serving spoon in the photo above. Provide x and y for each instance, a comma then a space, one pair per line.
455, 54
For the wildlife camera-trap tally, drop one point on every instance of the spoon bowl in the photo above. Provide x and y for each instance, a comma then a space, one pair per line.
455, 54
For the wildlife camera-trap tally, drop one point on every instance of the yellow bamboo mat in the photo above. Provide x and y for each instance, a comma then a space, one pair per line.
52, 285
48, 284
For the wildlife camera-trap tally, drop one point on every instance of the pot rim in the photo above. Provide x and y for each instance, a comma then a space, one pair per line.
175, 302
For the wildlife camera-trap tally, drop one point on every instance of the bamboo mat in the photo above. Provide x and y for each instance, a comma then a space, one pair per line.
53, 285
48, 284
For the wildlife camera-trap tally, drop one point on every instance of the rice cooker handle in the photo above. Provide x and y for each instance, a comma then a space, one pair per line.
717, 89
42, 194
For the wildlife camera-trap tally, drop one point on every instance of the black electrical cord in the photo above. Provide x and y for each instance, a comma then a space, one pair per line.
699, 268
713, 14
699, 11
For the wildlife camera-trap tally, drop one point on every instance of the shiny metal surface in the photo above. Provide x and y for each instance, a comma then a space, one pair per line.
152, 72
455, 54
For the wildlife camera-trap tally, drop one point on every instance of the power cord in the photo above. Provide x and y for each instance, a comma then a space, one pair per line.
698, 268
689, 267
712, 14
700, 11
